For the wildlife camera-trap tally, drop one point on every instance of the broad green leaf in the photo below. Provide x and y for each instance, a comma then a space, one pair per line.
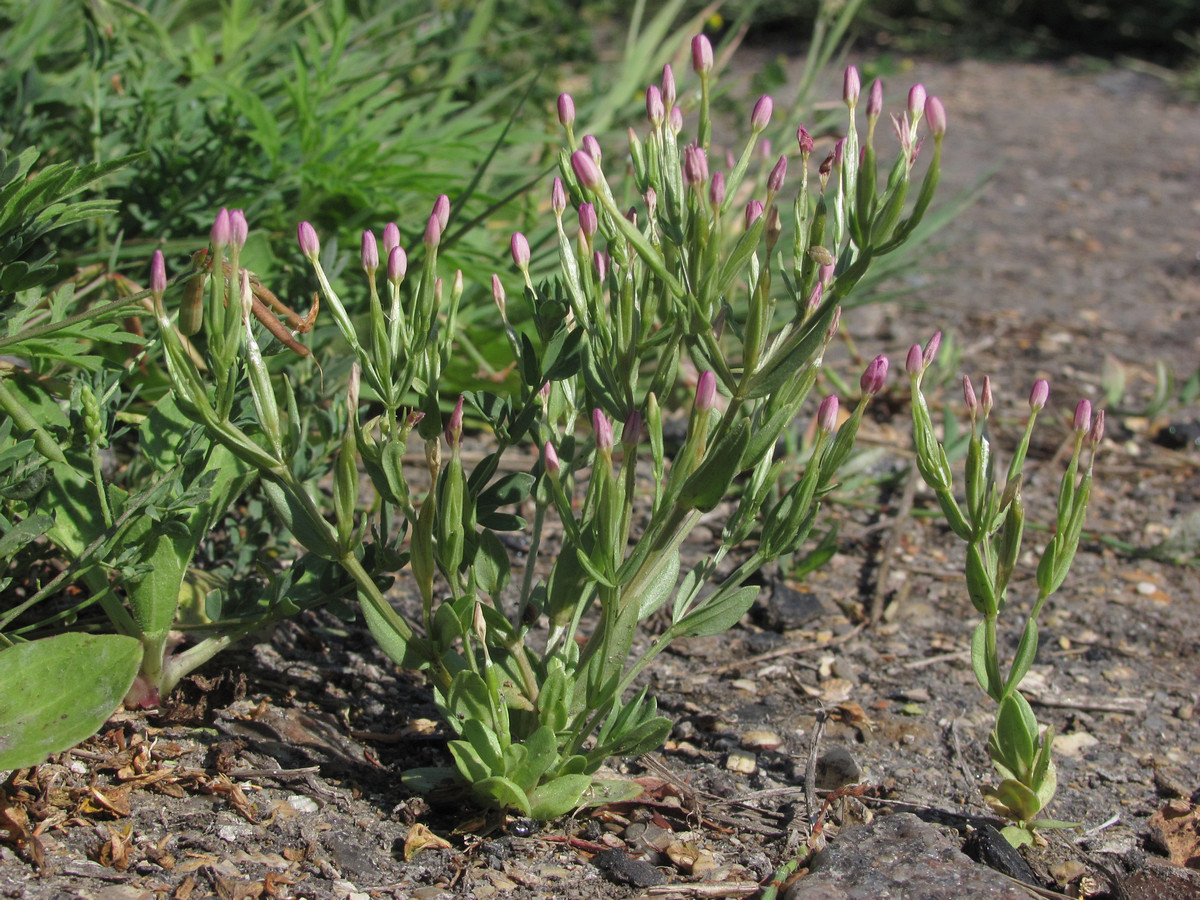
713, 618
558, 797
659, 589
23, 533
503, 793
57, 691
392, 643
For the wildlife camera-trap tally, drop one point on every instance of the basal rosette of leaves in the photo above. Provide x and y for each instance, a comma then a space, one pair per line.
677, 269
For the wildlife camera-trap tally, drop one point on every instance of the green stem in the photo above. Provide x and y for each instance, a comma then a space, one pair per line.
46, 445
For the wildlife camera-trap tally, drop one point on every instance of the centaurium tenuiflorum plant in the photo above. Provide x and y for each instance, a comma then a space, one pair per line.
665, 291
990, 520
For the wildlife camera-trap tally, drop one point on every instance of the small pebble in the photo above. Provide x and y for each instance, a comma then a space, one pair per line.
761, 740
1185, 711
742, 762
745, 684
1146, 588
300, 803
836, 769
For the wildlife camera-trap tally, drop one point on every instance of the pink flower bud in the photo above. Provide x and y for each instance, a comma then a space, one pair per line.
239, 230
433, 232
851, 87
601, 260
1096, 435
969, 396
912, 365
656, 112
805, 140
815, 296
632, 429
591, 147
778, 174
397, 264
558, 197
838, 151
834, 324
716, 189
519, 245
1083, 416
754, 209
668, 85
760, 116
550, 456
651, 198
498, 293
441, 209
986, 401
935, 114
309, 245
825, 274
588, 223
158, 274
931, 350
586, 170
603, 429
702, 55
695, 165
1039, 395
370, 253
221, 230
391, 237
916, 100
706, 391
675, 120
875, 99
874, 377
566, 110
454, 427
827, 415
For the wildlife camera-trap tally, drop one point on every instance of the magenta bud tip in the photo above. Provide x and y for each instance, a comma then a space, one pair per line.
391, 237
656, 112
520, 250
916, 100
702, 55
805, 140
558, 197
309, 245
588, 222
760, 116
221, 230
592, 147
716, 189
675, 119
969, 396
931, 349
875, 99
912, 364
370, 252
397, 263
586, 170
158, 274
603, 429
695, 165
632, 429
777, 176
754, 209
239, 229
935, 114
433, 231
851, 86
875, 376
550, 457
441, 209
706, 391
1039, 395
1096, 435
668, 85
566, 109
827, 414
454, 426
1083, 416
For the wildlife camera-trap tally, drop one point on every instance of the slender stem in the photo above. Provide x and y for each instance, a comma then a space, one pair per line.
46, 445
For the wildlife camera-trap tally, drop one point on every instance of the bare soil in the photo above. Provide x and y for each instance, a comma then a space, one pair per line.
278, 773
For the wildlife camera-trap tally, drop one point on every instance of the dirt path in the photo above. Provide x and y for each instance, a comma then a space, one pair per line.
1084, 244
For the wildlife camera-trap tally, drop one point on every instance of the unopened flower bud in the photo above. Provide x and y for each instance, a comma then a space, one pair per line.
651, 198
309, 245
969, 396
498, 294
838, 151
805, 140
588, 223
586, 170
760, 116
874, 377
454, 426
986, 400
851, 87
441, 209
912, 365
814, 297
935, 113
675, 120
916, 100
1096, 435
706, 391
656, 112
603, 429
695, 165
1039, 395
239, 229
834, 324
825, 270
702, 55
558, 198
397, 265
827, 415
716, 189
1083, 416
668, 85
433, 232
519, 245
931, 350
158, 274
566, 110
875, 99
550, 459
221, 230
591, 147
601, 260
391, 237
754, 209
370, 253
778, 174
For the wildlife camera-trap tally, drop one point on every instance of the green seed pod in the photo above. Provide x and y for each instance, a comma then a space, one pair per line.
345, 490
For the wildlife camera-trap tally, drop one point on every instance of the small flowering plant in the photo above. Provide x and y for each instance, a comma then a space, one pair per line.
991, 522
674, 283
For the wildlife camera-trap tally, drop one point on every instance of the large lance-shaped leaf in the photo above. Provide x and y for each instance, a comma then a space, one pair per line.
57, 691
